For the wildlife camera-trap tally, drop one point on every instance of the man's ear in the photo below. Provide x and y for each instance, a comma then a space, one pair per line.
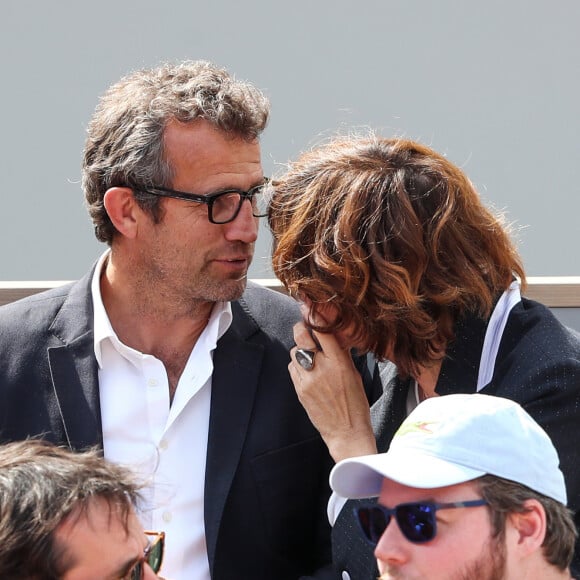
123, 210
528, 527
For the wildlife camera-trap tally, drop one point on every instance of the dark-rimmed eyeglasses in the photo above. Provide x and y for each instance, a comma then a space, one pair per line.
417, 521
223, 206
152, 555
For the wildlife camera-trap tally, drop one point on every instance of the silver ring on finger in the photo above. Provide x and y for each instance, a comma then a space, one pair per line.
305, 358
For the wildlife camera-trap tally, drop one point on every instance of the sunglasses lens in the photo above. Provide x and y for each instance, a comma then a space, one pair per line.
137, 572
417, 522
373, 522
155, 556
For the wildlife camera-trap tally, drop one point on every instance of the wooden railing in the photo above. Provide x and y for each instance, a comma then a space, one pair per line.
553, 291
12, 291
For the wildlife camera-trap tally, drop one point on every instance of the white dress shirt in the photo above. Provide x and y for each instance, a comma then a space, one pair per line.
166, 445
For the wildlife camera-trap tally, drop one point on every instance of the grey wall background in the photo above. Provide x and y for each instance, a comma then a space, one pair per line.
495, 85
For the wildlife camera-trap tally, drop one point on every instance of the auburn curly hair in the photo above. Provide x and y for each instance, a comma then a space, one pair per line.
395, 238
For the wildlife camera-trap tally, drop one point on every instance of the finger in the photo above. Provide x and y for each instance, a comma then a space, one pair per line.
327, 342
297, 381
304, 338
309, 339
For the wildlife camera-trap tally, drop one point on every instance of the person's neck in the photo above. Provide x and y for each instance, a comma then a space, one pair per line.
534, 566
546, 571
148, 321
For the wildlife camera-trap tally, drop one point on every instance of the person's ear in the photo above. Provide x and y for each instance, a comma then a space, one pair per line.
122, 209
528, 527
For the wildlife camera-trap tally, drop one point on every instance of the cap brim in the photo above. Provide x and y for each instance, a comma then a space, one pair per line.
362, 477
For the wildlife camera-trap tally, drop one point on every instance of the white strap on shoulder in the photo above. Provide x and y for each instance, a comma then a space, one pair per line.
494, 332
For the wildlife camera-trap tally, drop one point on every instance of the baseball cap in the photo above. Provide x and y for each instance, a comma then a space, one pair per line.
452, 439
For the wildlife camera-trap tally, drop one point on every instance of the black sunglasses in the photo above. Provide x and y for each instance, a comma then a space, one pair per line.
152, 555
222, 207
417, 521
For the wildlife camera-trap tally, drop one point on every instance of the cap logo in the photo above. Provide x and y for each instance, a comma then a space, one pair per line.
415, 427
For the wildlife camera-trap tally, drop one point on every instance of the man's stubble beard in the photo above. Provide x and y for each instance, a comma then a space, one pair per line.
226, 291
489, 565
204, 287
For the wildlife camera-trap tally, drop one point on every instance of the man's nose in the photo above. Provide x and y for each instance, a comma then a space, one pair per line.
392, 547
244, 227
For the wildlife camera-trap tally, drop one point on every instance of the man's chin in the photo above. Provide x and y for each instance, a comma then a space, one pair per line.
232, 289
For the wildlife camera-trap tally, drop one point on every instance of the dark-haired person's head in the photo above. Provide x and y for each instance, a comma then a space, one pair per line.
127, 137
70, 516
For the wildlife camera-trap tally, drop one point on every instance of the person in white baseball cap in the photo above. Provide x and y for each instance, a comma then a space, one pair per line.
474, 486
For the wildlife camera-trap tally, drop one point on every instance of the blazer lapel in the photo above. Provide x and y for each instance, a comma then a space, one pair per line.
73, 368
74, 380
388, 412
237, 365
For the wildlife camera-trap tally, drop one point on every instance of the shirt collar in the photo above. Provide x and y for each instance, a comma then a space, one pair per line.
218, 323
102, 325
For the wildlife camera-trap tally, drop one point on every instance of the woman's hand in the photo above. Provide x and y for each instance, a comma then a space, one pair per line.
332, 394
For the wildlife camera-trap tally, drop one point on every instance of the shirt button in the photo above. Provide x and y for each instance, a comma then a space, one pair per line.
167, 517
163, 444
152, 382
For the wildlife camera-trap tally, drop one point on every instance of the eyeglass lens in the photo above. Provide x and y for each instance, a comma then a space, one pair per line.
225, 207
153, 556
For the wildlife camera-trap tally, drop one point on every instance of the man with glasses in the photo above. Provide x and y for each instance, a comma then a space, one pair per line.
66, 515
469, 488
163, 354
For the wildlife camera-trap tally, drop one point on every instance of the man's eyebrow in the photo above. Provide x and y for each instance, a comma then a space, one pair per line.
124, 569
258, 183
